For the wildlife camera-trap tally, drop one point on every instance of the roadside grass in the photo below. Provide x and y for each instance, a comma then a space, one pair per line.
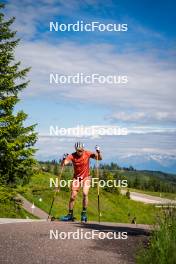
8, 207
8, 210
114, 207
162, 244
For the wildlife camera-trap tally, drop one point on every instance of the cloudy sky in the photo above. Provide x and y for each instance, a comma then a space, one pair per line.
145, 53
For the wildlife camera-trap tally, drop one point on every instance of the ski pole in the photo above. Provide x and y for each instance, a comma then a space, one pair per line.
56, 191
98, 189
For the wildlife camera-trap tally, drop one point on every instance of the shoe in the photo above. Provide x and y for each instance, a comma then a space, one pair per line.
68, 217
83, 216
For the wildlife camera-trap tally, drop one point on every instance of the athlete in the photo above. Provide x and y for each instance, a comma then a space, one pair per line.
80, 160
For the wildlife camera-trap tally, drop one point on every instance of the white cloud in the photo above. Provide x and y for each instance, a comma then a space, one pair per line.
148, 99
99, 131
30, 15
143, 117
149, 95
111, 146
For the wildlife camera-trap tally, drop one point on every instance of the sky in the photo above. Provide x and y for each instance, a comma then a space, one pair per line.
145, 106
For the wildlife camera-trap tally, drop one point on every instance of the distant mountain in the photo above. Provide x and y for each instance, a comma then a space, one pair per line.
155, 162
152, 162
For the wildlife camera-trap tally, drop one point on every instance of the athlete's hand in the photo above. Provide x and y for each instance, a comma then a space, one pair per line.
65, 156
97, 148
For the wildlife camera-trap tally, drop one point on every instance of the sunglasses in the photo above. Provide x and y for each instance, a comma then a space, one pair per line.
79, 150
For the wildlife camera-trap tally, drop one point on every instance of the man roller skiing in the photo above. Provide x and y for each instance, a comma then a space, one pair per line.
80, 159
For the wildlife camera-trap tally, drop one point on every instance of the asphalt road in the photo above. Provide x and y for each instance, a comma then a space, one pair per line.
30, 242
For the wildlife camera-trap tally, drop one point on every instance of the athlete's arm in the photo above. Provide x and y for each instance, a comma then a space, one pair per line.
65, 162
66, 159
97, 155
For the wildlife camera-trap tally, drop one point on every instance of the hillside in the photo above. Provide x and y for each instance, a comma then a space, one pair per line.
114, 207
9, 207
154, 181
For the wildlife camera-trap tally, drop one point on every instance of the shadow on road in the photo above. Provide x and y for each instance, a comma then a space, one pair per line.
124, 249
136, 231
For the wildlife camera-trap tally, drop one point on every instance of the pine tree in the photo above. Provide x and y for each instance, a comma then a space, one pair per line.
56, 169
16, 141
49, 167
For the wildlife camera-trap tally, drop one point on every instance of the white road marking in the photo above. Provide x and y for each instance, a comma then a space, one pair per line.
13, 220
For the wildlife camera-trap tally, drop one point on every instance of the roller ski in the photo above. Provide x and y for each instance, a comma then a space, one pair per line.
63, 218
83, 217
68, 218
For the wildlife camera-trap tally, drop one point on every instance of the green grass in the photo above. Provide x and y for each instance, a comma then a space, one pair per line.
114, 207
8, 207
162, 245
8, 210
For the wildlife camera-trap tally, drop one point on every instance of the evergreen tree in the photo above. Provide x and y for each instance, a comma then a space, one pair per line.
136, 182
16, 141
56, 169
49, 167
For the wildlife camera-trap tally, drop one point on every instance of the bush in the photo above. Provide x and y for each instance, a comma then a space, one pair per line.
162, 245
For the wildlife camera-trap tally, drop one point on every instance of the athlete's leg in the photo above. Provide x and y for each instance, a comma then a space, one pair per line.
86, 187
74, 191
72, 199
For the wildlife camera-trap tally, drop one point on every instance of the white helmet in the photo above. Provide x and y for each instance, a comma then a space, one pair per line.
79, 145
